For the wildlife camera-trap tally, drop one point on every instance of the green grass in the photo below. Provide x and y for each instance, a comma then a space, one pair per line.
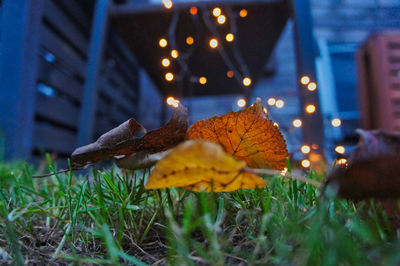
106, 217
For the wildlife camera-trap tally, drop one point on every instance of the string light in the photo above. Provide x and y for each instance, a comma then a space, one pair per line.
297, 123
174, 54
246, 81
241, 102
193, 10
230, 74
173, 102
310, 108
312, 86
305, 163
284, 171
265, 110
165, 62
279, 103
340, 149
276, 124
243, 13
189, 40
229, 37
221, 19
213, 43
167, 3
216, 11
305, 80
305, 149
342, 161
336, 122
271, 101
169, 76
163, 42
203, 80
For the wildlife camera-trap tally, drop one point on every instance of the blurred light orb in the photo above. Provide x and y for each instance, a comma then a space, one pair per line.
342, 161
305, 80
229, 37
189, 40
241, 102
230, 74
271, 101
276, 124
279, 103
165, 62
170, 100
306, 163
193, 10
216, 11
163, 42
174, 54
243, 13
213, 43
305, 149
221, 19
203, 80
167, 3
312, 86
297, 123
265, 110
336, 122
340, 149
310, 108
169, 76
246, 81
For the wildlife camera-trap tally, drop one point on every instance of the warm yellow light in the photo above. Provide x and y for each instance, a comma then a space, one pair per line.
167, 3
342, 161
284, 171
241, 102
297, 123
305, 149
305, 80
221, 19
310, 108
169, 76
213, 43
165, 62
193, 10
340, 149
163, 42
305, 163
229, 37
243, 13
174, 54
336, 122
189, 40
216, 11
246, 81
230, 74
276, 124
170, 100
203, 80
279, 103
312, 86
271, 101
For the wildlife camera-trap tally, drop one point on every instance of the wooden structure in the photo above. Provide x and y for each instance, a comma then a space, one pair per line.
75, 75
378, 61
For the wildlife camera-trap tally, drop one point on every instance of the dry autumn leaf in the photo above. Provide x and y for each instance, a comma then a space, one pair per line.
122, 141
248, 135
197, 165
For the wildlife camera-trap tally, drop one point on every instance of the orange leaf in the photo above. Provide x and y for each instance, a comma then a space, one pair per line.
197, 165
248, 135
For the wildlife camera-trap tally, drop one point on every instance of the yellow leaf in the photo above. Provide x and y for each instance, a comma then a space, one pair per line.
199, 165
248, 135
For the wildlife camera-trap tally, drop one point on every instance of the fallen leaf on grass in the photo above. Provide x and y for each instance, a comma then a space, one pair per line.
197, 165
248, 135
121, 141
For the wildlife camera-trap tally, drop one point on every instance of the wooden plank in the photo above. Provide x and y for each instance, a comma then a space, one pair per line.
78, 14
63, 52
117, 98
62, 22
50, 74
49, 138
126, 89
57, 110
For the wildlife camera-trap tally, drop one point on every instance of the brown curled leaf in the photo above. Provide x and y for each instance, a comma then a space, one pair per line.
248, 135
200, 165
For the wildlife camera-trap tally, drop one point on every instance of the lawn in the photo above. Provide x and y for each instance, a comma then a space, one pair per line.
107, 217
